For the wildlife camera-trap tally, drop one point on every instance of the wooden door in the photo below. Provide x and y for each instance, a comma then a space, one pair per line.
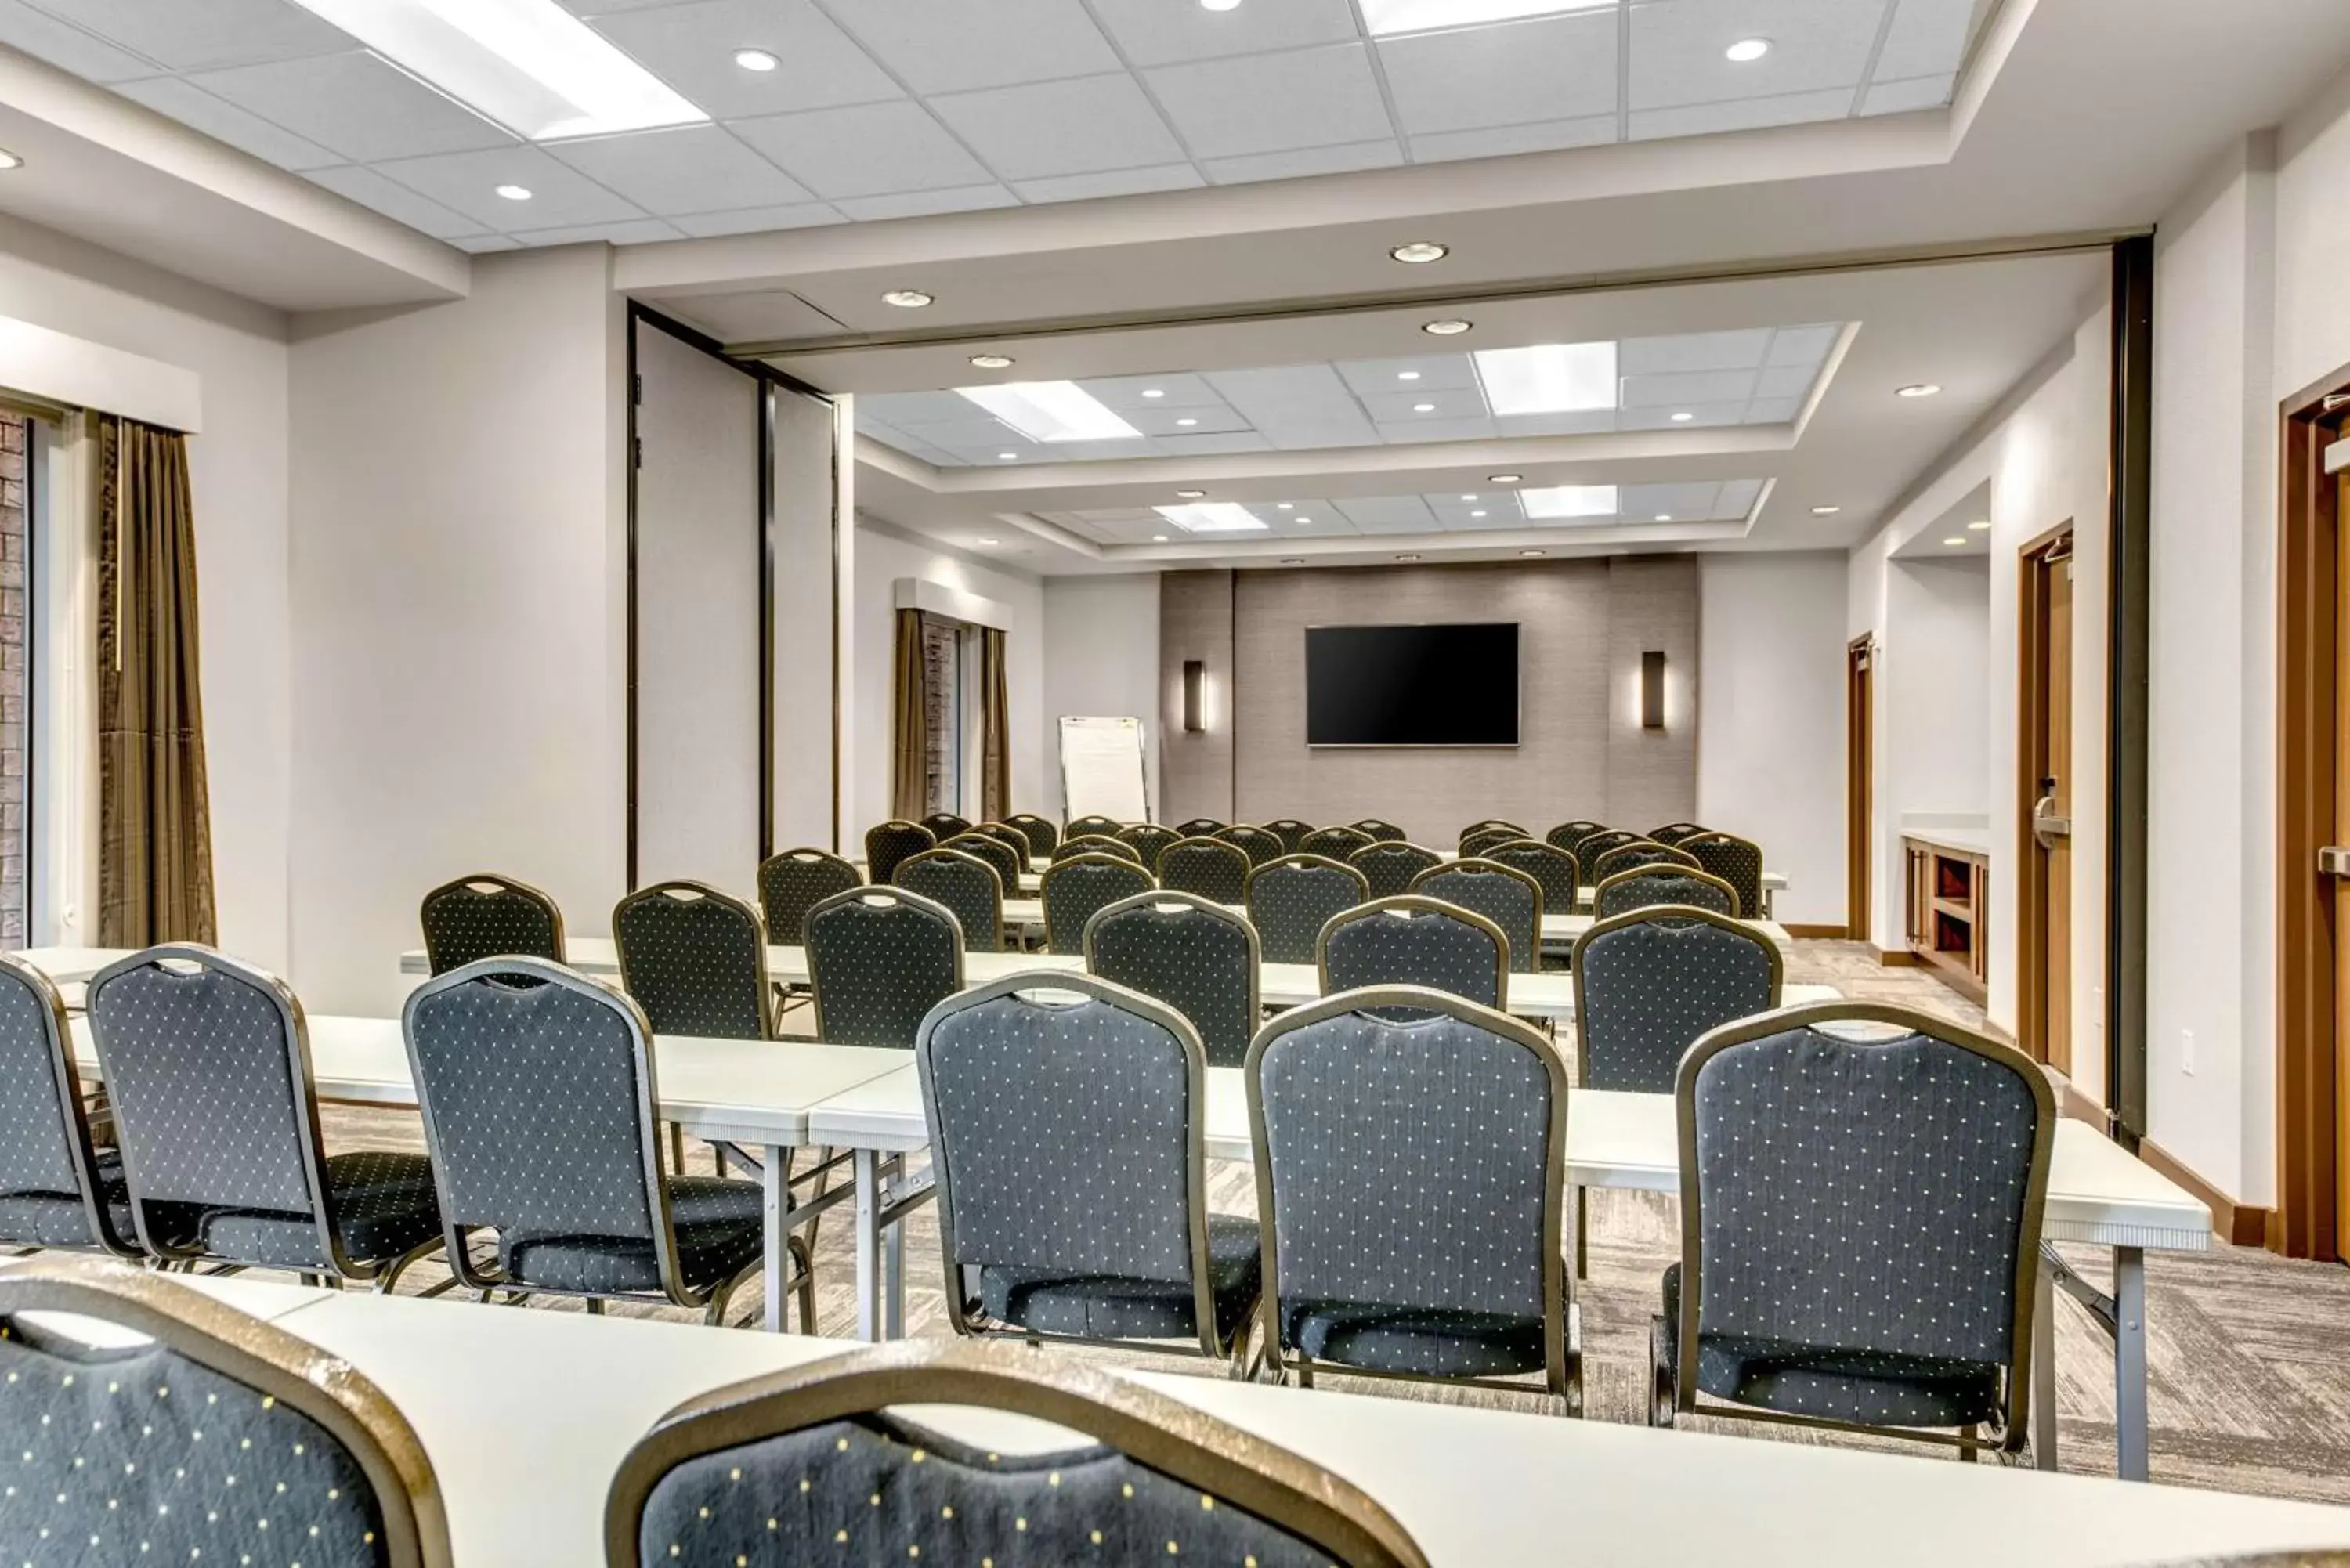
2044, 948
1860, 784
2339, 883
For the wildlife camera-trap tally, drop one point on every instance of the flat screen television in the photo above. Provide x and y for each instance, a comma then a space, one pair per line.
1453, 685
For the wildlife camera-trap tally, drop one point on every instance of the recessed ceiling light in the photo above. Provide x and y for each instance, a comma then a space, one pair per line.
1293, 560
1420, 252
1153, 392
1219, 5
1664, 516
1503, 478
1008, 457
1423, 408
1479, 513
990, 541
1530, 555
1158, 539
515, 193
1189, 494
1468, 498
1214, 517
1384, 17
1979, 526
1918, 390
9, 159
755, 60
1406, 375
1284, 506
1407, 558
1448, 327
1570, 501
1548, 378
1826, 511
1683, 417
1187, 423
1959, 540
1051, 410
992, 361
907, 298
1747, 49
528, 64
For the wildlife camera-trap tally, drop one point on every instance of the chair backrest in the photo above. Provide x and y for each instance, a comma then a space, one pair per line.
1292, 898
1411, 941
207, 1062
351, 1483
1933, 1143
1388, 865
1210, 867
696, 960
1097, 844
1074, 889
1737, 861
1380, 830
878, 959
1477, 840
1041, 832
822, 1434
945, 824
1569, 835
1011, 837
1260, 845
1148, 839
1488, 823
1034, 1087
1639, 852
1594, 845
889, 842
1553, 869
1646, 887
1674, 832
1102, 826
484, 915
1368, 1130
49, 1193
1503, 894
538, 1089
1290, 831
1649, 984
1191, 953
966, 885
1334, 843
1009, 862
1202, 827
796, 881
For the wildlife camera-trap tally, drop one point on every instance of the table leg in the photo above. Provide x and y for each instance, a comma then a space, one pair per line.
2129, 1363
867, 1164
776, 1186
2044, 1370
893, 1298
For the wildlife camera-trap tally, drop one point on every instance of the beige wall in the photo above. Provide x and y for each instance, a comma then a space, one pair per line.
1195, 621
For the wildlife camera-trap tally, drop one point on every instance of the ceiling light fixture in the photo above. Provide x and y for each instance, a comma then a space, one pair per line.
1008, 457
1420, 252
1748, 50
1826, 511
1979, 527
528, 64
1448, 327
1304, 522
1214, 517
755, 60
1548, 378
1570, 501
1187, 423
1407, 558
1219, 5
1468, 498
1529, 554
1503, 478
9, 159
907, 298
1293, 560
515, 193
991, 543
1664, 516
1388, 17
1423, 408
1158, 539
1153, 392
1918, 390
1051, 410
1683, 417
1284, 506
1959, 540
1189, 494
1406, 375
992, 361
1479, 513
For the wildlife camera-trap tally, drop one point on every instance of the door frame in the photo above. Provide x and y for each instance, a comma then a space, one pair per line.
2305, 1223
2032, 1000
1860, 784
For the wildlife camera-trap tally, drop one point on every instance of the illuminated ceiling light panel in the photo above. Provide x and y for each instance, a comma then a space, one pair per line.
529, 64
1214, 517
1548, 378
1570, 501
1051, 410
1388, 17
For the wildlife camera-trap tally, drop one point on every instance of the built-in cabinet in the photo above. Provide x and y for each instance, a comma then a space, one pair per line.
1948, 905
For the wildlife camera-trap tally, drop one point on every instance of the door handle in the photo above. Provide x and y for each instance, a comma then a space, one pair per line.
2333, 860
2046, 826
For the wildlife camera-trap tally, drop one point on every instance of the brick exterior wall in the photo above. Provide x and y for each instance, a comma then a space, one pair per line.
16, 672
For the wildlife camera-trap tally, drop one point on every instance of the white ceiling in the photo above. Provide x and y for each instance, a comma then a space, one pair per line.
895, 109
1490, 509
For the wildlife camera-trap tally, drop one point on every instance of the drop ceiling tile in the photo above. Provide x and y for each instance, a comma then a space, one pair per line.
759, 219
1927, 38
1688, 389
631, 231
924, 204
1369, 377
223, 122
1511, 73
1773, 411
1078, 127
1743, 114
1806, 346
68, 47
1693, 351
991, 452
1187, 444
1273, 103
1402, 406
1310, 435
1902, 97
482, 244
1584, 421
1661, 417
1785, 381
1109, 183
1287, 391
869, 149
196, 34
911, 411
1677, 49
763, 314
690, 169
1509, 141
1158, 33
1299, 165
1737, 499
949, 45
1683, 502
1205, 420
1181, 390
560, 196
692, 47
1429, 427
1388, 512
1102, 451
355, 105
396, 202
606, 7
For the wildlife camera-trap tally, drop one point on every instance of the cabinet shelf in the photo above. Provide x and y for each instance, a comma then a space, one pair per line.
1949, 906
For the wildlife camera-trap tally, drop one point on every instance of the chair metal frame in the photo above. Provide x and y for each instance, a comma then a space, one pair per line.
1481, 868
1152, 1429
803, 856
1045, 891
1290, 831
1661, 871
879, 895
1473, 843
1094, 825
1659, 914
1305, 862
1573, 833
936, 821
704, 891
1547, 849
1608, 862
1227, 834
1042, 837
1202, 827
1382, 830
1389, 846
1761, 866
1221, 844
1349, 839
1096, 844
1415, 904
1678, 830
74, 1112
1589, 860
1009, 859
1148, 832
1161, 899
481, 879
941, 852
873, 874
342, 1399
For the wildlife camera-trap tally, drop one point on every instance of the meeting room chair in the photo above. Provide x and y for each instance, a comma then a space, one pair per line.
1488, 823
1290, 831
1015, 840
1066, 1116
1594, 845
1410, 1177
484, 915
1639, 852
1261, 845
695, 960
1007, 861
1292, 898
889, 842
965, 885
1503, 894
1094, 825
1389, 865
1334, 843
207, 1065
1646, 887
785, 1469
1076, 888
1569, 837
1862, 1192
1477, 840
1041, 833
1412, 940
1674, 832
60, 1186
102, 1468
1148, 839
1202, 827
1097, 844
539, 1094
1193, 954
878, 959
1210, 867
1553, 869
1737, 861
1649, 985
1379, 830
945, 824
796, 880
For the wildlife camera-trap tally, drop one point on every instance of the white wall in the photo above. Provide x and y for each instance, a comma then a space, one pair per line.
1771, 721
1101, 642
1933, 754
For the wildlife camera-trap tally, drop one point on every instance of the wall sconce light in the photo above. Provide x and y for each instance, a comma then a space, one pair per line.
1195, 696
1652, 691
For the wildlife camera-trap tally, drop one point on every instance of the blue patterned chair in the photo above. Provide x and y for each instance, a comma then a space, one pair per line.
1554, 870
1215, 870
1639, 852
1389, 865
485, 915
1646, 886
1148, 840
964, 884
1410, 1179
1569, 835
1411, 941
1597, 844
1292, 898
1290, 831
1380, 830
889, 842
1737, 861
1191, 953
796, 880
816, 1465
1503, 894
1261, 845
1202, 827
878, 959
1078, 843
1042, 836
1334, 843
945, 824
695, 960
59, 1186
1076, 889
1065, 1116
1474, 841
1674, 832
1861, 1226
1094, 827
1009, 859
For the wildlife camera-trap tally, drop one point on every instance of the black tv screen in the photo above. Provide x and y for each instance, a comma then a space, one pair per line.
1413, 685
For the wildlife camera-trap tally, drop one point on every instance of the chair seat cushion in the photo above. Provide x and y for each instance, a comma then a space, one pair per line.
1416, 1340
383, 1206
34, 1218
1106, 1306
1827, 1383
721, 1231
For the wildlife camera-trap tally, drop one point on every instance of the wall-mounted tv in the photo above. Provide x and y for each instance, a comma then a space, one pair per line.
1453, 685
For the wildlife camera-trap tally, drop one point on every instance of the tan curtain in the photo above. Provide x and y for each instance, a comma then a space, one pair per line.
154, 850
995, 728
911, 750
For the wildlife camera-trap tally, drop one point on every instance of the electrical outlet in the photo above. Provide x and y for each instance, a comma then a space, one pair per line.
2186, 1052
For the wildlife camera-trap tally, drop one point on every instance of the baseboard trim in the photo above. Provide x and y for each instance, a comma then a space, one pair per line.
2240, 1224
2075, 1103
1897, 957
1838, 933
